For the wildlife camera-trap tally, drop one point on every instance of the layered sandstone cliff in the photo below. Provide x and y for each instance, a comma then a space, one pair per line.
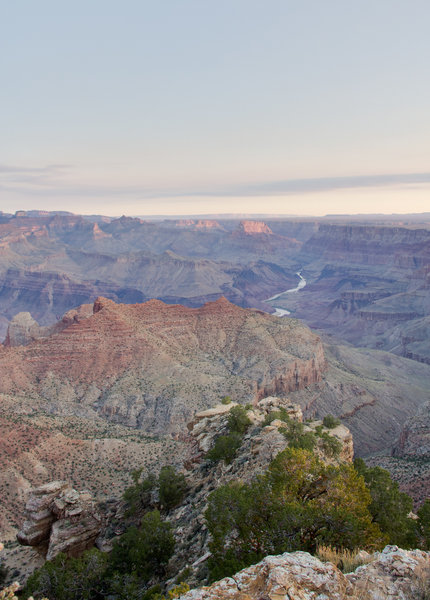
152, 365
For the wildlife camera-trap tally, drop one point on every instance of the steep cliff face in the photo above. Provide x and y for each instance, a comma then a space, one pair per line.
367, 245
414, 440
152, 365
368, 285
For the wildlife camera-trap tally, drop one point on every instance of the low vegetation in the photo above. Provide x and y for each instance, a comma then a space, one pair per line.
164, 492
345, 560
226, 446
330, 422
300, 503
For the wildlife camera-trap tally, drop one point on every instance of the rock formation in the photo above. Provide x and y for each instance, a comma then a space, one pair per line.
253, 227
60, 519
414, 440
368, 285
152, 365
22, 330
259, 447
392, 574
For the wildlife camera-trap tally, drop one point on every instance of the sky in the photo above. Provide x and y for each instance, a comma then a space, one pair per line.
303, 107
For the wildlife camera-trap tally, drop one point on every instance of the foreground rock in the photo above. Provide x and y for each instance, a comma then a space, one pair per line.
391, 575
60, 519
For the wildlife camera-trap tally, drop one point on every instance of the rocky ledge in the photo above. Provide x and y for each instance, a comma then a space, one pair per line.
392, 574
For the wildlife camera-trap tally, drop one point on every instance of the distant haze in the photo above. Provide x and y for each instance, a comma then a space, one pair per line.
191, 107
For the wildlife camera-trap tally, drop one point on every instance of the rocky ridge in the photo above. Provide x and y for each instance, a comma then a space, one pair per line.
259, 447
392, 574
151, 365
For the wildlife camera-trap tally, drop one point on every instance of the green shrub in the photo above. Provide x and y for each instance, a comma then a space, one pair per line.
172, 487
389, 507
330, 422
298, 504
66, 578
280, 414
225, 448
331, 445
226, 400
3, 573
238, 420
138, 496
424, 525
144, 551
297, 437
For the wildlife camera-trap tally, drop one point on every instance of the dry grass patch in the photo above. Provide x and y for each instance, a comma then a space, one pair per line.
345, 560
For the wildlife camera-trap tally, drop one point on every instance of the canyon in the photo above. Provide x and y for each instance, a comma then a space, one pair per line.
368, 280
116, 331
111, 387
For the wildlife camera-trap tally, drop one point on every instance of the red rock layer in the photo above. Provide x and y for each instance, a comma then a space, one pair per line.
274, 355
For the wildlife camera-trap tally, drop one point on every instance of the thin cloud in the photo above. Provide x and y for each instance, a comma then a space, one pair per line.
320, 184
47, 181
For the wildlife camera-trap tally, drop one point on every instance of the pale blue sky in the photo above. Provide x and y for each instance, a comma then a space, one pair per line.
194, 106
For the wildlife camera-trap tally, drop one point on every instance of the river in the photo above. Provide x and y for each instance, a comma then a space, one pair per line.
281, 312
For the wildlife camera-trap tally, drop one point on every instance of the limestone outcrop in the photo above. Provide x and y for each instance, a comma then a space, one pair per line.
60, 519
392, 574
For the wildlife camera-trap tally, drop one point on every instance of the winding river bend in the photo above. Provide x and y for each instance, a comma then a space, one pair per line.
281, 312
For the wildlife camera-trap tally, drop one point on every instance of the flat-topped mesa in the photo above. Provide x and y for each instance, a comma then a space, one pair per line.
253, 227
207, 224
199, 224
370, 245
60, 519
